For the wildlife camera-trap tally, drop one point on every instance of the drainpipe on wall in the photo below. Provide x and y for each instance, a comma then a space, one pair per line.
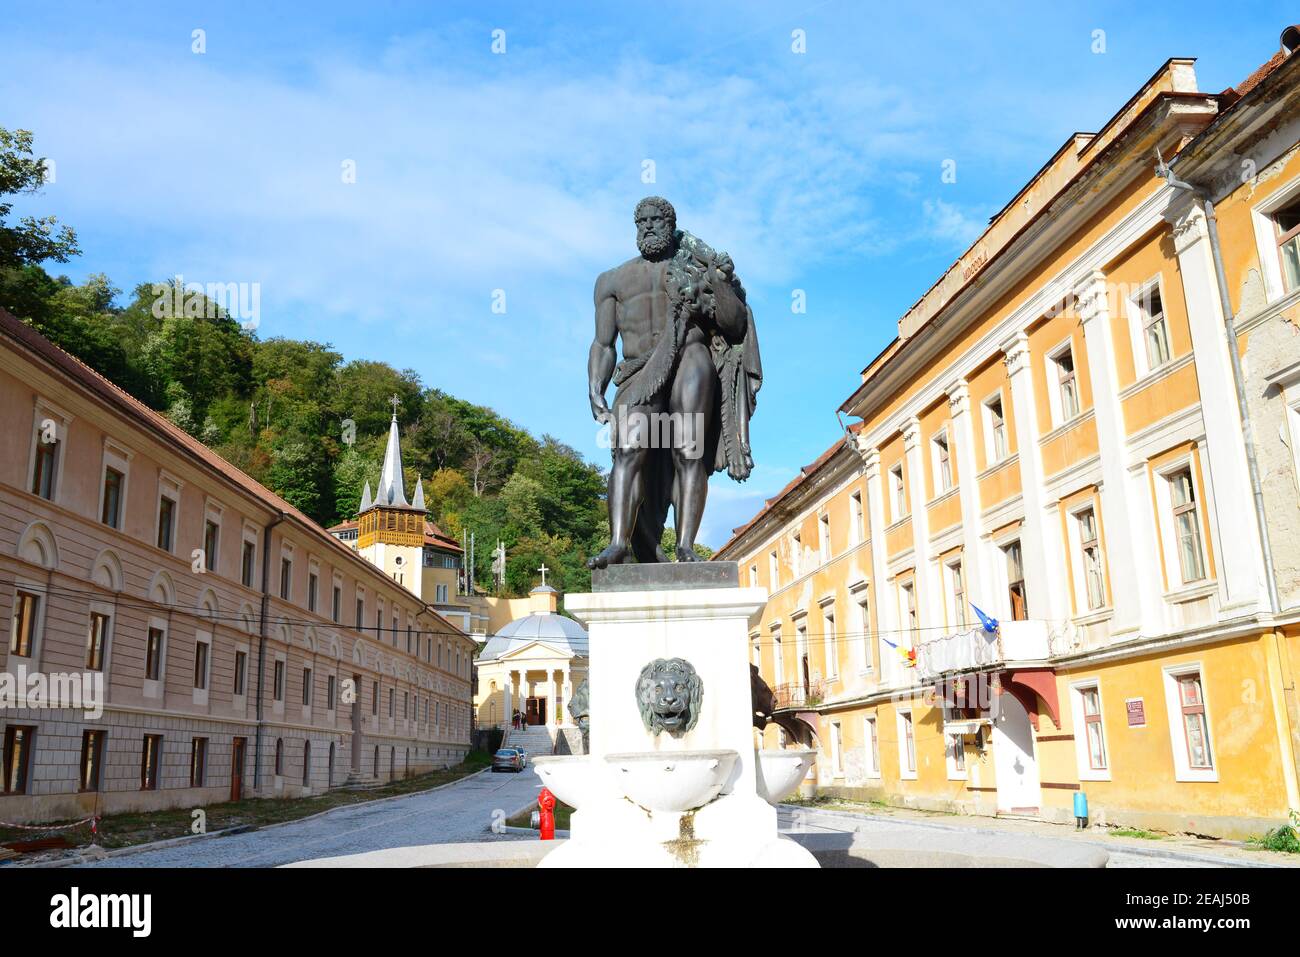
261, 644
1284, 703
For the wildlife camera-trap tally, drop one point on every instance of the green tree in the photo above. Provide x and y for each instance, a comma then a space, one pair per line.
32, 239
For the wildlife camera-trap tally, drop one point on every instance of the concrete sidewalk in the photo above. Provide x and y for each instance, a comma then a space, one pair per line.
1172, 850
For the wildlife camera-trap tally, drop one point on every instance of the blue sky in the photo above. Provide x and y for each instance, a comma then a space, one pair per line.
518, 171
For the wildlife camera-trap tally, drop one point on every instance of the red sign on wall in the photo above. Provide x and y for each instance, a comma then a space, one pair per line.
1137, 716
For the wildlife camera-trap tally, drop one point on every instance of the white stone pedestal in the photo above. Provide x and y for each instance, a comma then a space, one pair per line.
708, 627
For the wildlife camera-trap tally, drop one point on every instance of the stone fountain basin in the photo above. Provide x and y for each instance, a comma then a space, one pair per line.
672, 781
570, 777
780, 772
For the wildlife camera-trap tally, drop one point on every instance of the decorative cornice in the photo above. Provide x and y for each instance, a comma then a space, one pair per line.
1091, 297
1016, 353
958, 397
911, 434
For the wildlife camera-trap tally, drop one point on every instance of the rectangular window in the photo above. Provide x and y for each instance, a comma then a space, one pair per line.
1155, 330
200, 665
1067, 384
361, 613
150, 759
1090, 550
1187, 526
942, 464
336, 604
45, 467
824, 537
773, 571
1016, 582
22, 634
996, 424
329, 693
796, 554
279, 681
153, 648
778, 657
856, 533
1287, 221
898, 490
831, 643
957, 591
872, 745
306, 686
958, 753
392, 702
1196, 732
1091, 700
908, 742
111, 514
909, 611
406, 705
198, 762
837, 748
246, 564
286, 577
211, 540
374, 698
92, 757
313, 586
864, 632
96, 640
166, 522
17, 757
241, 666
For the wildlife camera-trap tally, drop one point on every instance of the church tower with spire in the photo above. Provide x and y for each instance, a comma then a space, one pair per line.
391, 530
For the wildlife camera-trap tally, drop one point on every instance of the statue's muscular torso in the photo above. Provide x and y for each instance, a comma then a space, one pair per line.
640, 305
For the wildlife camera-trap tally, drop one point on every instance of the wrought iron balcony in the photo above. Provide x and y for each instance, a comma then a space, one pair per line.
976, 649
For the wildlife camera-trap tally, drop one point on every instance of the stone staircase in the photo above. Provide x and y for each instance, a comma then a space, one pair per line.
534, 739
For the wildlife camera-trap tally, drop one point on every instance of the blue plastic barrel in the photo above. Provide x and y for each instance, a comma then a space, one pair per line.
1080, 804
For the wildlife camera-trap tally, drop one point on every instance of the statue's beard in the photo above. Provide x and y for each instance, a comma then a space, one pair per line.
655, 245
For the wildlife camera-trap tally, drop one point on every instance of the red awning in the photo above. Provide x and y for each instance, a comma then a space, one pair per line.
1031, 685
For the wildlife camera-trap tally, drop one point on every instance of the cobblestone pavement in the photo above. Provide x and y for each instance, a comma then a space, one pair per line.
462, 811
1125, 852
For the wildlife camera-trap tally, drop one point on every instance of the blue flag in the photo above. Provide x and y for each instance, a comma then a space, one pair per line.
990, 624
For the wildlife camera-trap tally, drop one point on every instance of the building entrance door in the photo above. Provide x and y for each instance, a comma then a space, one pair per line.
1014, 761
536, 710
237, 769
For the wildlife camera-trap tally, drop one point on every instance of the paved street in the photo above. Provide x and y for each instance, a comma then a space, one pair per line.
1124, 852
459, 812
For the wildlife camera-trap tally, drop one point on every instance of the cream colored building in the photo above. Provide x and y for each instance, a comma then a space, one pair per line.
533, 665
241, 649
1055, 438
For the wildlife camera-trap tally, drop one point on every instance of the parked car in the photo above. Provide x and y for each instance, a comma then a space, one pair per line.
508, 759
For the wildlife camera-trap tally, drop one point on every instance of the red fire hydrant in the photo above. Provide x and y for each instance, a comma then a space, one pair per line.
546, 819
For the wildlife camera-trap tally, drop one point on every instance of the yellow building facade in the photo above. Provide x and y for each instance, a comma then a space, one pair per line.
1055, 438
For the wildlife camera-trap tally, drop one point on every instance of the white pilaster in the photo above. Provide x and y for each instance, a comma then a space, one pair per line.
929, 594
968, 488
886, 600
1239, 552
1040, 543
1133, 566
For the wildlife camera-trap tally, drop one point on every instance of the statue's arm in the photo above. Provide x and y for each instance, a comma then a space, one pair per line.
602, 358
730, 312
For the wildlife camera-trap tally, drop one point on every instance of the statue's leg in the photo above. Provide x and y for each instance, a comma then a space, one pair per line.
626, 485
693, 403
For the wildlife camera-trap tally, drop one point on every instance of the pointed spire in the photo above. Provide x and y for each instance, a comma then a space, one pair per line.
390, 479
418, 501
365, 499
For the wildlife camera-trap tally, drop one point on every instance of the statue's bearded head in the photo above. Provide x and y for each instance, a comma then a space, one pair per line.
656, 227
